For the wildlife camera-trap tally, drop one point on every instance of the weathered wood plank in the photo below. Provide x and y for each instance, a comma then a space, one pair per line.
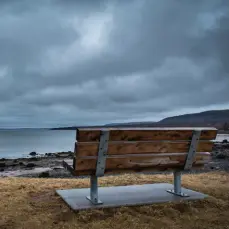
133, 163
69, 166
137, 170
145, 134
120, 148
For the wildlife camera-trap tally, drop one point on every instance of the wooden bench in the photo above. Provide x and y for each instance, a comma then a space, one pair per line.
133, 150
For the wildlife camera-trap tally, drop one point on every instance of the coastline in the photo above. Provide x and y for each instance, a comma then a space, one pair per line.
39, 165
50, 164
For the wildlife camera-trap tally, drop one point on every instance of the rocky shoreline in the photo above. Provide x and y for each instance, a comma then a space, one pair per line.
36, 165
50, 164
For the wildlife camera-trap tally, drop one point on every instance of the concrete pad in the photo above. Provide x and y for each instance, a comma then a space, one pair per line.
125, 196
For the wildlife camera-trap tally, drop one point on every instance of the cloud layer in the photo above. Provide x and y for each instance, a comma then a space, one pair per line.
95, 62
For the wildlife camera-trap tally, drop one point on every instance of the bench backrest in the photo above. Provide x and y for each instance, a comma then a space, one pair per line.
117, 150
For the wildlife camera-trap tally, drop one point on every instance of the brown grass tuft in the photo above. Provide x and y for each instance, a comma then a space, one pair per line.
32, 203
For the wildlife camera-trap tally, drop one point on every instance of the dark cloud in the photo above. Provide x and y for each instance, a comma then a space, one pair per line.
89, 62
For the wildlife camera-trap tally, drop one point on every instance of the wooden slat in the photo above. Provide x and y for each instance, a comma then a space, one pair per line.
137, 170
120, 148
134, 163
69, 166
145, 134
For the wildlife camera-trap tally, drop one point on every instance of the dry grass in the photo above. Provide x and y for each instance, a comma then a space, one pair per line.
32, 203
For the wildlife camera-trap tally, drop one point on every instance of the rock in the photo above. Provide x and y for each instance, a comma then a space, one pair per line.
13, 164
220, 156
30, 165
21, 163
1, 170
33, 159
50, 154
58, 167
33, 153
2, 164
225, 141
226, 146
44, 175
63, 154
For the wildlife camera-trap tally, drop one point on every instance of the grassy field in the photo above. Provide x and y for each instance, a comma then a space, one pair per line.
32, 203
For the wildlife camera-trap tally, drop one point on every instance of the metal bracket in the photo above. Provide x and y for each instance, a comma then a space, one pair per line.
192, 150
177, 185
102, 154
177, 194
94, 191
187, 166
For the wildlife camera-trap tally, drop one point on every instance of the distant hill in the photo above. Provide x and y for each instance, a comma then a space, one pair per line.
146, 124
214, 118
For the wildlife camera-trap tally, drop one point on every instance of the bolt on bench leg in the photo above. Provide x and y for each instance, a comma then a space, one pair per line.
94, 191
177, 185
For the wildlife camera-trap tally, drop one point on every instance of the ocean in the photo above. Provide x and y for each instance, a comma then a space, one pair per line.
19, 143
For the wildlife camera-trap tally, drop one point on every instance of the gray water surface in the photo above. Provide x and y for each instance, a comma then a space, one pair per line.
17, 143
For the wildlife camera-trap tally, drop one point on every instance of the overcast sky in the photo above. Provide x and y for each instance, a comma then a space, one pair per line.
67, 62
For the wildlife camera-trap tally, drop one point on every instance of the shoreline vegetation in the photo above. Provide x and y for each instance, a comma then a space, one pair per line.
50, 164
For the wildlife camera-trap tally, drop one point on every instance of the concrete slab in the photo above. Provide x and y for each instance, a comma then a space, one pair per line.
125, 196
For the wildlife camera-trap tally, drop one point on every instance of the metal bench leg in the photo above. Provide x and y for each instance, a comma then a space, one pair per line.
94, 191
177, 185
